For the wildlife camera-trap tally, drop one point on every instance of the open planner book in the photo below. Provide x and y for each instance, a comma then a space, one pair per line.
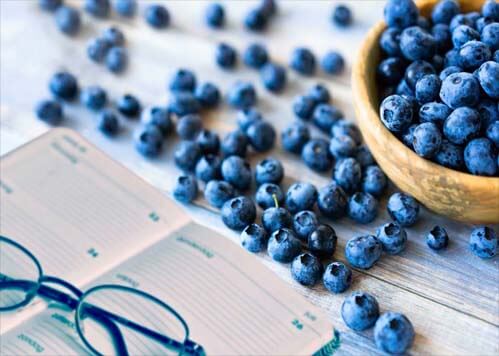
90, 221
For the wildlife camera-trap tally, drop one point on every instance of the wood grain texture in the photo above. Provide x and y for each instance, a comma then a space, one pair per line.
452, 297
457, 195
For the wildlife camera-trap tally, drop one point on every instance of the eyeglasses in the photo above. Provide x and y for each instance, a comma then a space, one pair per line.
109, 319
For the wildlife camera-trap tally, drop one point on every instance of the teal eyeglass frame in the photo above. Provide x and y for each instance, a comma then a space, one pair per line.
83, 309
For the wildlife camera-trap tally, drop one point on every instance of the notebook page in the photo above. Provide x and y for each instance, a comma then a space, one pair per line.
76, 210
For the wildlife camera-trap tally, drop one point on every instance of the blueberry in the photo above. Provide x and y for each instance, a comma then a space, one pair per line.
303, 106
186, 189
97, 8
362, 207
473, 17
451, 59
187, 154
444, 11
126, 8
427, 88
322, 241
342, 146
254, 238
301, 196
401, 89
396, 113
373, 180
64, 85
159, 117
364, 156
182, 80
400, 13
325, 116
363, 251
114, 36
460, 20
403, 209
208, 168
408, 135
268, 7
306, 269
183, 103
226, 56
482, 22
426, 139
393, 238
488, 76
345, 127
157, 16
129, 106
437, 238
333, 63
294, 137
242, 95
303, 61
246, 117
256, 20
391, 70
316, 155
208, 141
49, 5
269, 195
493, 133
332, 201
460, 89
97, 49
450, 156
490, 36
337, 277
483, 242
94, 97
255, 56
390, 42
490, 8
189, 126
234, 143
417, 70
275, 218
462, 34
270, 170
117, 59
237, 172
320, 94
443, 38
149, 141
480, 157
283, 246
360, 311
462, 125
489, 112
238, 212
304, 223
416, 44
217, 192
393, 333
273, 77
473, 54
448, 71
342, 16
108, 123
347, 174
434, 112
49, 111
214, 15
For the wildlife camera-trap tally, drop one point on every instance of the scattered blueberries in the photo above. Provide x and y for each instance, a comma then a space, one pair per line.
276, 218
234, 143
117, 59
225, 56
126, 8
64, 86
325, 116
274, 77
363, 251
294, 137
332, 201
316, 155
256, 20
159, 117
483, 242
360, 311
342, 16
217, 192
393, 333
208, 168
283, 246
300, 196
186, 189
149, 141
129, 106
242, 95
403, 209
374, 181
97, 49
306, 269
246, 117
97, 8
322, 241
303, 107
437, 238
186, 155
268, 194
254, 238
342, 146
189, 126
255, 56
114, 36
49, 111
215, 15
337, 277
94, 97
183, 103
157, 16
238, 212
261, 136
270, 170
362, 207
347, 174
393, 238
208, 141
68, 20
320, 94
182, 80
237, 172
208, 95
305, 222
303, 61
108, 122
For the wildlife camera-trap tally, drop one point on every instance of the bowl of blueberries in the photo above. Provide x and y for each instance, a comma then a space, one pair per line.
426, 90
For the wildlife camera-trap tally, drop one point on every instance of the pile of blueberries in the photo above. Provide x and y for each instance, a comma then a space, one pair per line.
109, 48
440, 83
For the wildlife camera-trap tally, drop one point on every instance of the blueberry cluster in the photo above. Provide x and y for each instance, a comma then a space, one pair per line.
393, 332
109, 49
304, 62
439, 81
257, 18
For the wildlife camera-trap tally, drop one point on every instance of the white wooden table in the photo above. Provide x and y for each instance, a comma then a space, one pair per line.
452, 297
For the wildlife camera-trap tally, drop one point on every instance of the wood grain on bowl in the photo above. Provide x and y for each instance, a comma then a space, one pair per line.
459, 196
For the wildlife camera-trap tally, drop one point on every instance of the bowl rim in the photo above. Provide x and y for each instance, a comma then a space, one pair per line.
360, 78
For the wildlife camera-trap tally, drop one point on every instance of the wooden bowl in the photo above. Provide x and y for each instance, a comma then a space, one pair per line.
457, 195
